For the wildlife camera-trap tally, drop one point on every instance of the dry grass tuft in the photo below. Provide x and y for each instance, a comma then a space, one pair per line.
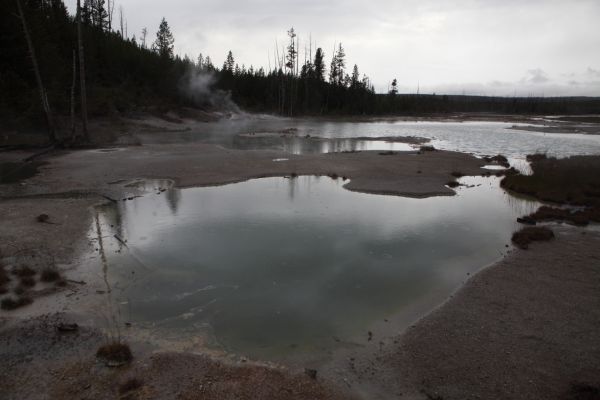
523, 238
574, 180
49, 275
130, 385
115, 353
27, 281
9, 303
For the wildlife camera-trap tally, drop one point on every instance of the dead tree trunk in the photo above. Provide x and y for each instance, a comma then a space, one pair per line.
84, 116
38, 76
73, 83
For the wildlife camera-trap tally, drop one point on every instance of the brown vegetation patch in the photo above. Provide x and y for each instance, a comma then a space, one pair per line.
530, 234
4, 278
498, 159
130, 385
583, 391
576, 217
9, 303
574, 180
23, 271
427, 148
49, 275
115, 353
27, 281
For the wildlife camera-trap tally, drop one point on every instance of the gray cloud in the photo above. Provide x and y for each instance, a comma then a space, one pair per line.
535, 76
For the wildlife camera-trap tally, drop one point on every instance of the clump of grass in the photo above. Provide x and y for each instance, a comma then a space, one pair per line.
574, 180
4, 278
10, 304
49, 275
536, 157
523, 238
23, 271
583, 391
130, 385
427, 148
28, 281
576, 217
19, 290
498, 159
333, 176
115, 353
453, 184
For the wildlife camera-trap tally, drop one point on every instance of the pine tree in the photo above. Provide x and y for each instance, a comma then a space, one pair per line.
394, 88
229, 63
208, 65
340, 59
333, 70
99, 15
319, 65
164, 40
354, 81
292, 52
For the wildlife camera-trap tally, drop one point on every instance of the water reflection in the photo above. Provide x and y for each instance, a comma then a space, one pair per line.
277, 266
290, 135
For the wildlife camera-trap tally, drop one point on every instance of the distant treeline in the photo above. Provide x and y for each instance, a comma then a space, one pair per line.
125, 74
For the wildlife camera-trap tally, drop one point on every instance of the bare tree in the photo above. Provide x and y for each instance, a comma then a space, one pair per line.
38, 76
144, 33
73, 83
111, 8
84, 116
121, 19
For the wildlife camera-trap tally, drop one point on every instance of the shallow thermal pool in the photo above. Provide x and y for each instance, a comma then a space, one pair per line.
278, 267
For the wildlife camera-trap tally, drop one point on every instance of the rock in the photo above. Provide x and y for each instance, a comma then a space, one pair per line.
526, 220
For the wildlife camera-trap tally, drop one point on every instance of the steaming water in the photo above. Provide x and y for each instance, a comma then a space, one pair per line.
279, 267
480, 138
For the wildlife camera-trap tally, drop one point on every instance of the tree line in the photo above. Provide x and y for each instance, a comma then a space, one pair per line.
90, 55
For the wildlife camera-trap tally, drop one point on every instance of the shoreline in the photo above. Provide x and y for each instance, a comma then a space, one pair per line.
81, 172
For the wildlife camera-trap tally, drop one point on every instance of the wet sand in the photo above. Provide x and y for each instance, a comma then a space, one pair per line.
523, 328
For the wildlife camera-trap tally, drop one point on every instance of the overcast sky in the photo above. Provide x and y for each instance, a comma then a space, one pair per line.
489, 47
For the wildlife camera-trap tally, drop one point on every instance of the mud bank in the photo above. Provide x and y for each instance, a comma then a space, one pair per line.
524, 328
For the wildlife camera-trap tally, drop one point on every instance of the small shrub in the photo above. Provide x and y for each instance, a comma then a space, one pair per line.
130, 385
453, 184
9, 303
427, 148
23, 271
27, 281
4, 278
525, 236
49, 275
115, 353
536, 157
583, 391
